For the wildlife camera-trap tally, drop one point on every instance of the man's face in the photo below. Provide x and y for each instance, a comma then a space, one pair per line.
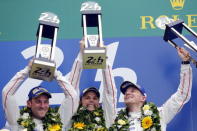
39, 106
90, 101
133, 96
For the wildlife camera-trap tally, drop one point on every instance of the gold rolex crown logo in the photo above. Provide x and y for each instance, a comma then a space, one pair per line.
177, 4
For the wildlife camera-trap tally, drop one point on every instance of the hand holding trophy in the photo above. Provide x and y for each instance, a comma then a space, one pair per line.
43, 66
94, 53
173, 30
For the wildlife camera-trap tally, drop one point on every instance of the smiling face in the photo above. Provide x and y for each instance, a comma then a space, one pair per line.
90, 100
39, 106
133, 96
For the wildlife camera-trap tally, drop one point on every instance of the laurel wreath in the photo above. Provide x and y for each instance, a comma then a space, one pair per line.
85, 120
150, 119
51, 121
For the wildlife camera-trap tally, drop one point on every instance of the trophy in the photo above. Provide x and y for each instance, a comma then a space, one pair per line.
174, 30
43, 66
94, 53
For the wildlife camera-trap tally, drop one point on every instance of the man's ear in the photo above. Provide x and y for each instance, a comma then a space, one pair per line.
29, 103
144, 98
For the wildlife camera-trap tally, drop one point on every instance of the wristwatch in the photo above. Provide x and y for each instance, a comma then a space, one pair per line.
185, 62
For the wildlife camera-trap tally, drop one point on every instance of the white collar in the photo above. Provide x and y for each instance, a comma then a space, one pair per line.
39, 124
135, 115
37, 120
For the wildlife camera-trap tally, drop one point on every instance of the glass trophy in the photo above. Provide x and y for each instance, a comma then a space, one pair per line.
43, 66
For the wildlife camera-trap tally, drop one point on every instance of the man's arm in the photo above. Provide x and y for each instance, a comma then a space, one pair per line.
10, 105
71, 101
75, 74
175, 103
109, 99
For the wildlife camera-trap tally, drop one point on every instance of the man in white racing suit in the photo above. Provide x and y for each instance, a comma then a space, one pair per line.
109, 93
140, 115
38, 100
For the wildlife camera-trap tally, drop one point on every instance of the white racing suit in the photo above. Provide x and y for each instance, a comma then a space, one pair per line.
11, 107
173, 105
109, 89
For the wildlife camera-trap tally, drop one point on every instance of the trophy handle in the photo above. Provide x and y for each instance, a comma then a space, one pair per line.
39, 41
189, 43
85, 31
100, 32
54, 45
189, 29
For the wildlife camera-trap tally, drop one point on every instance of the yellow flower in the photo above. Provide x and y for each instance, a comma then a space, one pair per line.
55, 127
25, 123
79, 125
96, 113
101, 129
121, 122
147, 122
146, 107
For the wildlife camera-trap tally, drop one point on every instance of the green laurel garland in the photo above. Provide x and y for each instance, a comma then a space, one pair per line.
51, 121
150, 119
85, 120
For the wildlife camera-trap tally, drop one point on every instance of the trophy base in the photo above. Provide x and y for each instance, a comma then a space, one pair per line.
94, 58
42, 70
